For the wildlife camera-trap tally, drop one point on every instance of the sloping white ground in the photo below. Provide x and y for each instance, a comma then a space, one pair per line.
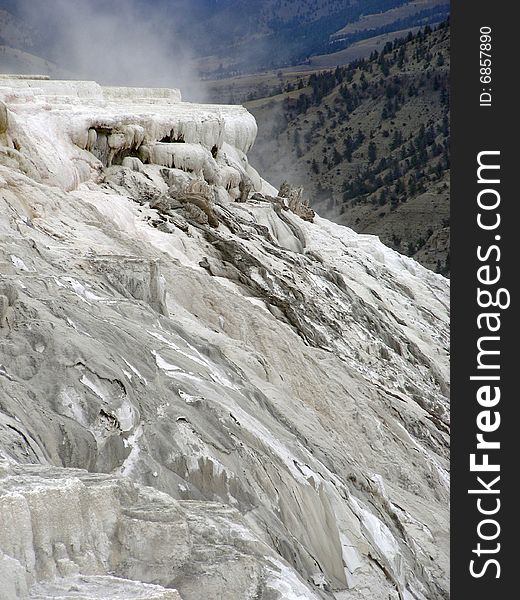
281, 385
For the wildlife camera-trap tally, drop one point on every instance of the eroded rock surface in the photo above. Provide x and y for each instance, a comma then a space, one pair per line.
201, 391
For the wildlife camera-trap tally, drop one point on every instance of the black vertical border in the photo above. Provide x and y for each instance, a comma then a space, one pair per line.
475, 129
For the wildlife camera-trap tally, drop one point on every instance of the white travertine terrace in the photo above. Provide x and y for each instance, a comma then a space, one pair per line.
114, 120
202, 397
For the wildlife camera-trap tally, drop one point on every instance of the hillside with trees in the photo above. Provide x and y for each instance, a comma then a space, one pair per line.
371, 143
277, 33
224, 38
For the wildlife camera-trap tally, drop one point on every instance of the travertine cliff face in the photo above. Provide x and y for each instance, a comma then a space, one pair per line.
203, 395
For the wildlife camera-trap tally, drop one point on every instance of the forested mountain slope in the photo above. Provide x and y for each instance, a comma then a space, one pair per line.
370, 141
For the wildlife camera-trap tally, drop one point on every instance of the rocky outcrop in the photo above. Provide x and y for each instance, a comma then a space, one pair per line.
295, 201
197, 394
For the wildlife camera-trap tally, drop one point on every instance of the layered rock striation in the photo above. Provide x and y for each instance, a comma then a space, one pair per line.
203, 394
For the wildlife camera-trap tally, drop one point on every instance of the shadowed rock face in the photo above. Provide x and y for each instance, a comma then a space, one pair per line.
252, 407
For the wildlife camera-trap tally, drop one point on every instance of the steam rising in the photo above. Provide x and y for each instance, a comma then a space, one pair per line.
116, 42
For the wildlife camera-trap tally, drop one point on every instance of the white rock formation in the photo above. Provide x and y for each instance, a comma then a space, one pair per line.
203, 398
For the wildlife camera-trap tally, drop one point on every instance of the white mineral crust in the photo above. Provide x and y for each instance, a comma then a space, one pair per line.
201, 394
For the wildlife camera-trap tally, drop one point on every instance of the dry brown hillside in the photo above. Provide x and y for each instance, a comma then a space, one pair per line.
370, 141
